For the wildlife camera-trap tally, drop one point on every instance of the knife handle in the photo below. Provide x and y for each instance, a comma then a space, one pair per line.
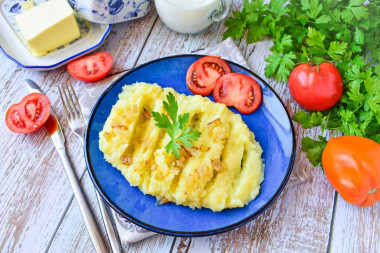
92, 226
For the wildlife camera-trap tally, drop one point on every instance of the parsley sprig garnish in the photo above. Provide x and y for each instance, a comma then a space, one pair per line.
176, 128
344, 32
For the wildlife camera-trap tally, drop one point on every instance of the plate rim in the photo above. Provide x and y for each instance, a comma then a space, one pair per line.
184, 233
58, 64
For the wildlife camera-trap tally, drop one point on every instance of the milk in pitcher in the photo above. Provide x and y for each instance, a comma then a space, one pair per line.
188, 16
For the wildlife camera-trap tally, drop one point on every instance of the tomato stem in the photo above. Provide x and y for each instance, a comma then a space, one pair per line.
311, 62
372, 191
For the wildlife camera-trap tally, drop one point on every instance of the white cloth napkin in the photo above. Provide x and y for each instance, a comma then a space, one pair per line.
128, 231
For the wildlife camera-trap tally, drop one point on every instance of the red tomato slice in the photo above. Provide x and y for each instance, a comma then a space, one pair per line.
28, 115
91, 68
238, 90
202, 74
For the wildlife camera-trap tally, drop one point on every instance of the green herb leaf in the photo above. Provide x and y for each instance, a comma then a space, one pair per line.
255, 7
349, 124
187, 135
278, 7
171, 107
280, 65
281, 44
255, 32
314, 9
176, 128
315, 41
323, 19
303, 118
336, 50
161, 119
173, 147
359, 35
236, 25
314, 149
309, 120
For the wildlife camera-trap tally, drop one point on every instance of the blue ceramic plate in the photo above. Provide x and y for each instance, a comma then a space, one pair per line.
270, 123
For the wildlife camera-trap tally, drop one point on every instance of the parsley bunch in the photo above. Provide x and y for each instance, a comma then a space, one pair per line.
343, 32
176, 128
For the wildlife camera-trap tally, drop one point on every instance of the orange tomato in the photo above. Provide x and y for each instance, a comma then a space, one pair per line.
352, 165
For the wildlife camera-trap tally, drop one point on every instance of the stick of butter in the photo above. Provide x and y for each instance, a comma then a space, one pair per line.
48, 26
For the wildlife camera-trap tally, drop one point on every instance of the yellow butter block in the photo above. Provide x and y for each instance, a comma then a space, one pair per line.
48, 26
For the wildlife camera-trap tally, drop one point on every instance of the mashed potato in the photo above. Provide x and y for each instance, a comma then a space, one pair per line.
222, 170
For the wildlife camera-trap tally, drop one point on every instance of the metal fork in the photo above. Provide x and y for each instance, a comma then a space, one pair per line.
78, 125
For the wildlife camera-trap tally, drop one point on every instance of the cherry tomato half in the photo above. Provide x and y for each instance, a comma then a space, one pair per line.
238, 90
202, 74
91, 68
316, 89
28, 115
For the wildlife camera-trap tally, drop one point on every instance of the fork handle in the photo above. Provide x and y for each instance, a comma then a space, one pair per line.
112, 236
92, 226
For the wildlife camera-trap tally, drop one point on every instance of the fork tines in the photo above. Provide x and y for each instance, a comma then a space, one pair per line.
71, 106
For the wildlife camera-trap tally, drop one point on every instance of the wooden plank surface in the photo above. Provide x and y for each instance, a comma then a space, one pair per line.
126, 41
72, 234
38, 210
355, 229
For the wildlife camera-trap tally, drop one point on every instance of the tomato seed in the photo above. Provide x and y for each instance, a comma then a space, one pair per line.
91, 67
215, 67
251, 98
16, 119
221, 91
194, 77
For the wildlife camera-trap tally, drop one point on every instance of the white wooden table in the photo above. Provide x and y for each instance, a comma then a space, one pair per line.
40, 214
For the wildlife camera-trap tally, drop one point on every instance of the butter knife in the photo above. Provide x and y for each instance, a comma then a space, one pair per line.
58, 138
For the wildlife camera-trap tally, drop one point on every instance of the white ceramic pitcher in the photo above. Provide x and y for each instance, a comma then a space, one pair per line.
191, 16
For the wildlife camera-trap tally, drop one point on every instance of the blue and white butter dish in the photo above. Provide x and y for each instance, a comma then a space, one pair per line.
14, 47
111, 11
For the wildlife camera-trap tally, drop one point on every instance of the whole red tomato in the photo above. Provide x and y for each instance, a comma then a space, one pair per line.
316, 89
352, 166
